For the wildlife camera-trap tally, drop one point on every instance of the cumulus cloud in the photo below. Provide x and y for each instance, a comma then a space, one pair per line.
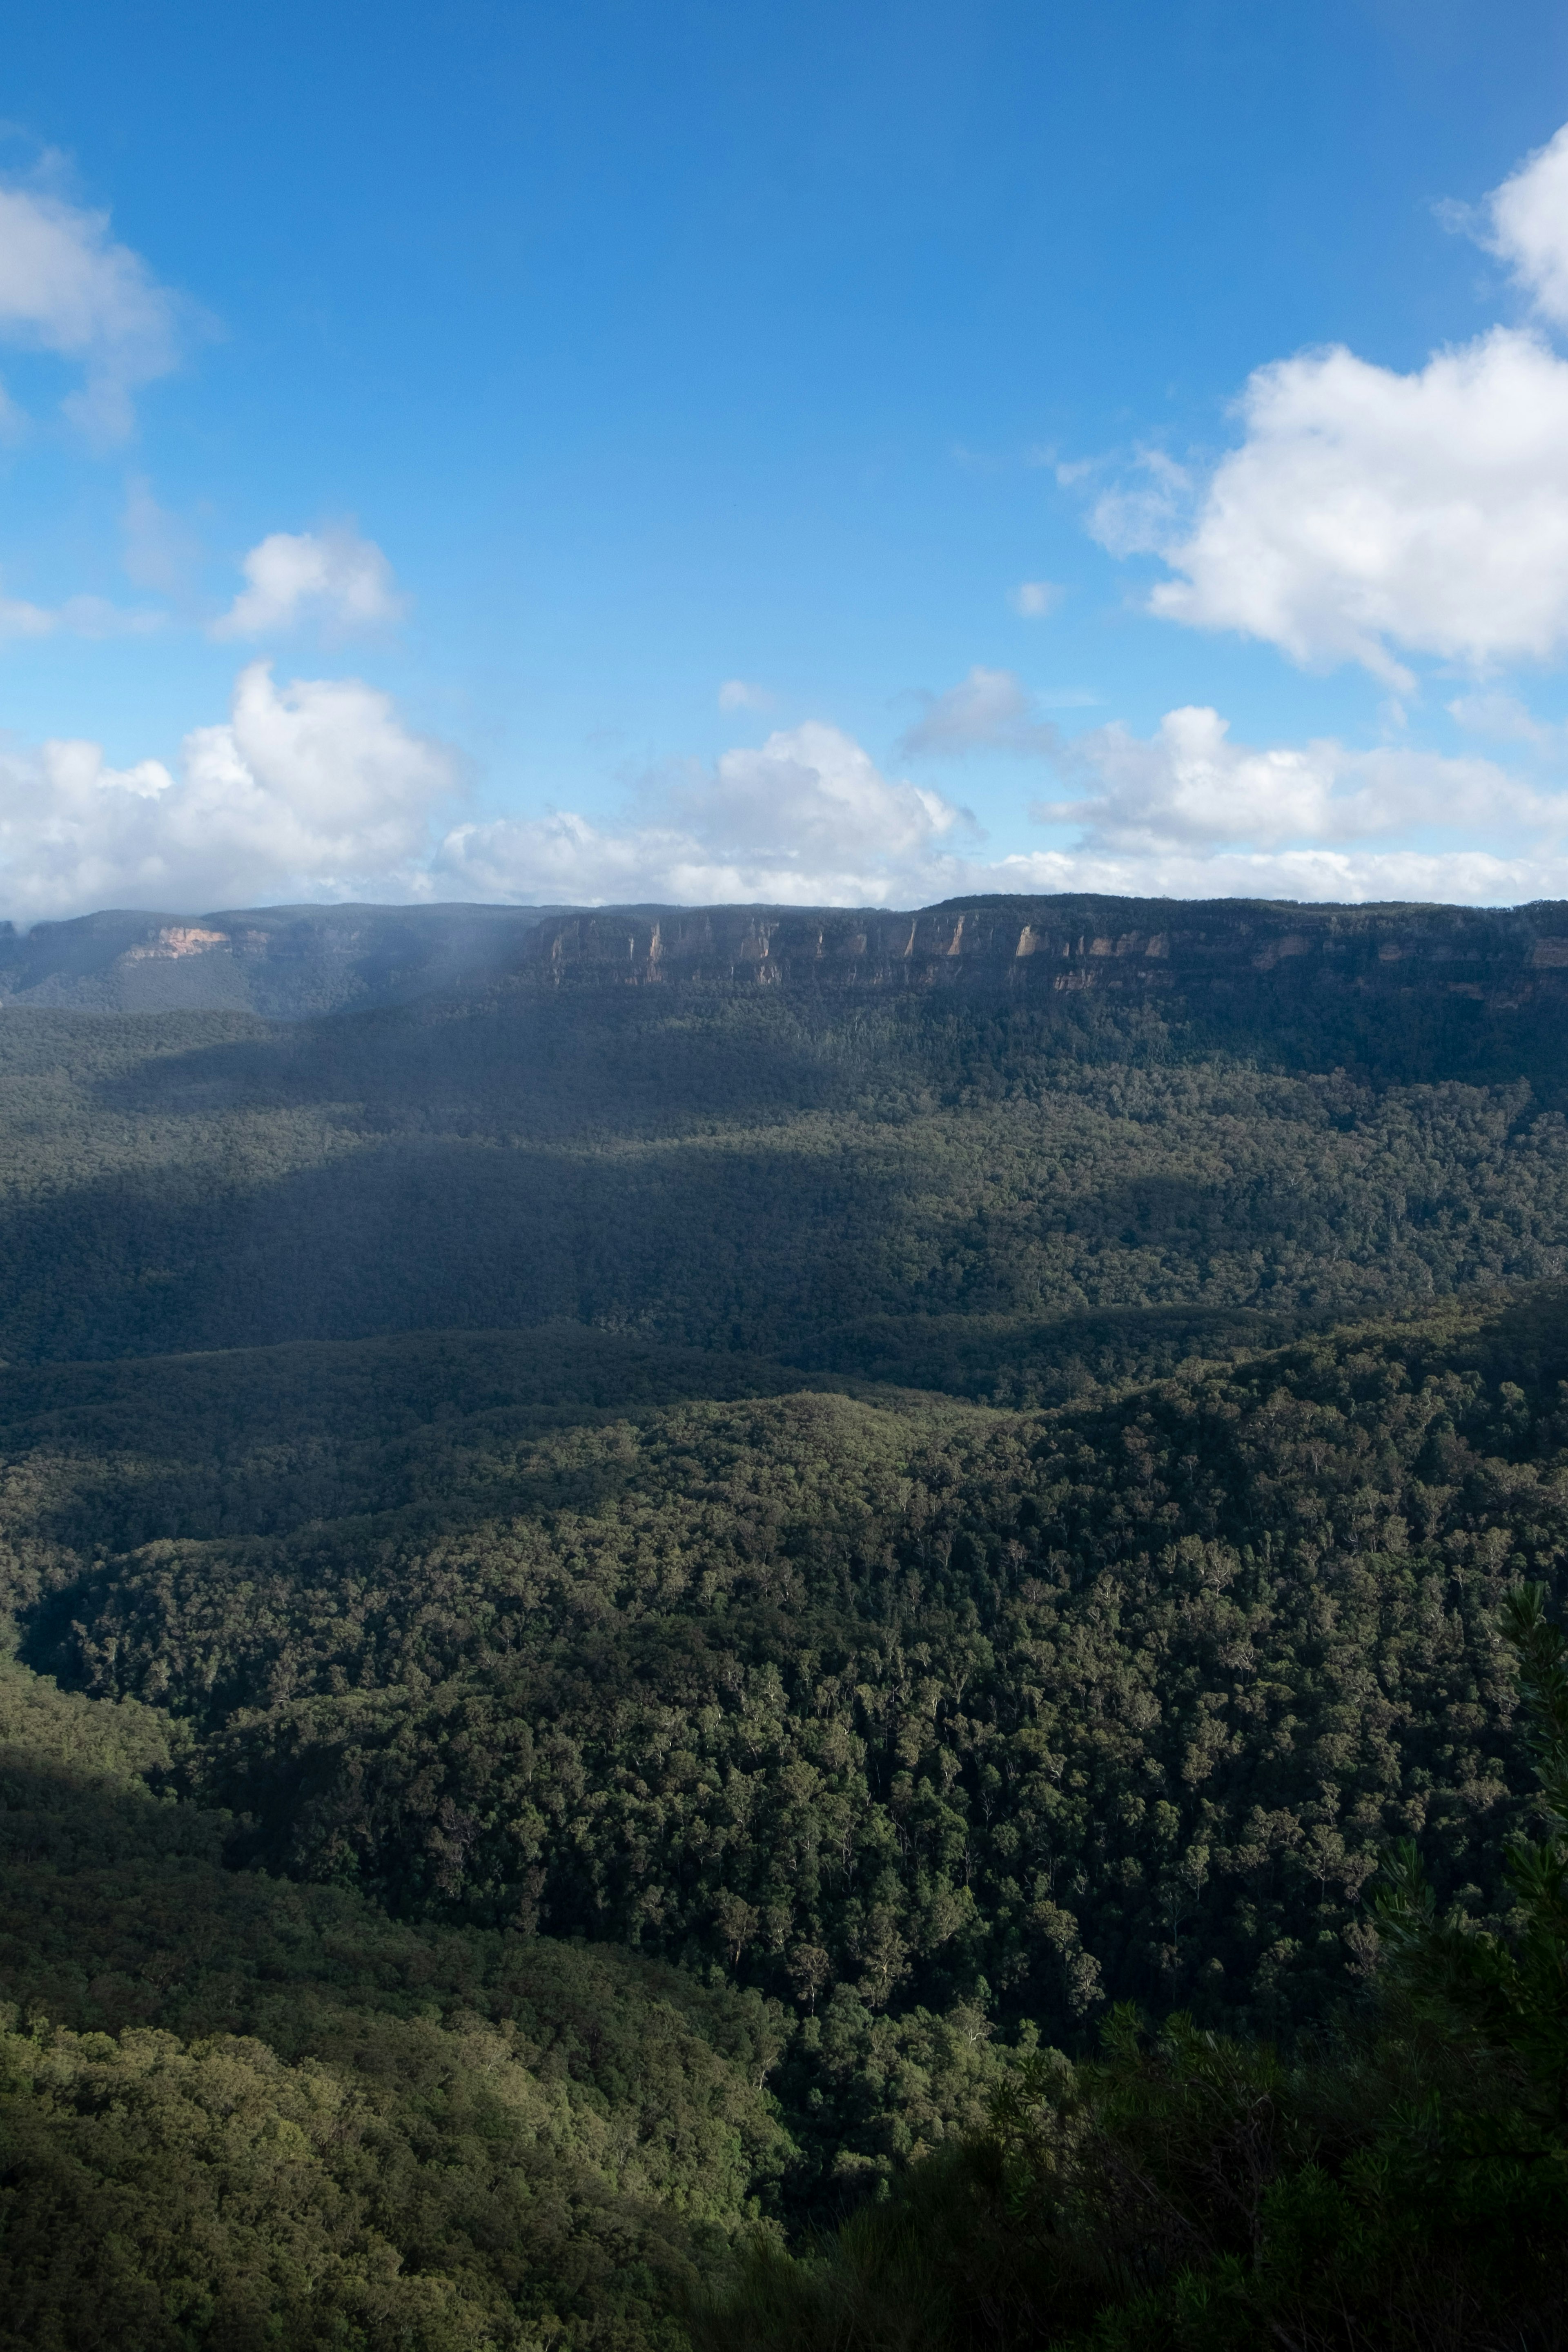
740, 694
1525, 224
334, 578
315, 789
807, 819
1368, 511
69, 288
318, 790
1189, 786
1187, 813
1374, 516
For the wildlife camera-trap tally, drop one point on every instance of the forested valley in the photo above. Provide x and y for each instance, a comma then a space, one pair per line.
801, 1647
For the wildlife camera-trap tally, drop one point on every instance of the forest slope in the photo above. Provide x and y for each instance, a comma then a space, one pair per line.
629, 1571
883, 1702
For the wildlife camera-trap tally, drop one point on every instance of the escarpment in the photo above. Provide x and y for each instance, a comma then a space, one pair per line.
294, 962
1149, 947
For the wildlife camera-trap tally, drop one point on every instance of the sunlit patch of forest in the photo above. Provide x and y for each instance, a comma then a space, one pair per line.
767, 1669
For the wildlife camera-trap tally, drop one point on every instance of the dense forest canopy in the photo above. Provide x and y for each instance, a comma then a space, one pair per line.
631, 1581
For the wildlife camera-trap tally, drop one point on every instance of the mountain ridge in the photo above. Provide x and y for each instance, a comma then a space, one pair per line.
293, 962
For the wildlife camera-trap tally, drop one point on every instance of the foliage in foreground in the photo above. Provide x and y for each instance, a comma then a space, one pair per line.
231, 2103
235, 2112
1401, 2184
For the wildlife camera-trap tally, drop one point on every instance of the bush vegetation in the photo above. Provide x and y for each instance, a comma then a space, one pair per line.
1398, 2179
743, 1667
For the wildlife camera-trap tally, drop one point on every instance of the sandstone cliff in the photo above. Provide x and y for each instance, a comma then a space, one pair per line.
289, 962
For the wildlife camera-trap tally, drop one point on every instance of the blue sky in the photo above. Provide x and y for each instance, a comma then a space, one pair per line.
590, 452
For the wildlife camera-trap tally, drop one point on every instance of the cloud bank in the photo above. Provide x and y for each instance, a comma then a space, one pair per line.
1188, 786
319, 788
805, 820
316, 789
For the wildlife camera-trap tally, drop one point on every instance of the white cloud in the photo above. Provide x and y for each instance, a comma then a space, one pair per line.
740, 694
315, 789
1368, 510
335, 578
318, 790
1526, 224
1188, 786
1374, 516
67, 287
1036, 600
1473, 877
806, 820
809, 820
74, 772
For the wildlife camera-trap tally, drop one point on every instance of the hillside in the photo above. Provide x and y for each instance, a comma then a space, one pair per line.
631, 1576
984, 1187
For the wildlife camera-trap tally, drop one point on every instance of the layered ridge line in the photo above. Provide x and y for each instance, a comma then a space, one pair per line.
298, 961
1058, 943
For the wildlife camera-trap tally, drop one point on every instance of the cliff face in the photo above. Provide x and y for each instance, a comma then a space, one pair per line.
1146, 947
289, 962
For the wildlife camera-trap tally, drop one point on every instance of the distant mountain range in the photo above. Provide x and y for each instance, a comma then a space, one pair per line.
295, 962
285, 962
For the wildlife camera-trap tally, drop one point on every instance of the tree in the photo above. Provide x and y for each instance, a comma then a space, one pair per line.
1507, 1994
